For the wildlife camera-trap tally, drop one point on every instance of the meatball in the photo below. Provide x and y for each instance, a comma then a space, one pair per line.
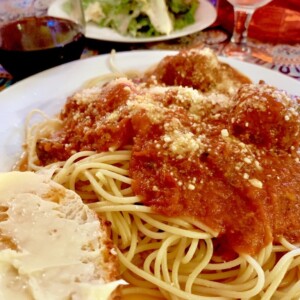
199, 69
265, 116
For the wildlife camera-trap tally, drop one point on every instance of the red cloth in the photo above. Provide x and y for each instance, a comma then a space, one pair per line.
276, 22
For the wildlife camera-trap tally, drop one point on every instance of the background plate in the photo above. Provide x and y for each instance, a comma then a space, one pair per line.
205, 16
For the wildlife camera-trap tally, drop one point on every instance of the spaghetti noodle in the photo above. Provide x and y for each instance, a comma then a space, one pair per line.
164, 254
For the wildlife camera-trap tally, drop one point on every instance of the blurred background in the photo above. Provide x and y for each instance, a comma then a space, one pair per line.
274, 28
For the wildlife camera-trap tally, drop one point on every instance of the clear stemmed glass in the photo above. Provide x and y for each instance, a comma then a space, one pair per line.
243, 11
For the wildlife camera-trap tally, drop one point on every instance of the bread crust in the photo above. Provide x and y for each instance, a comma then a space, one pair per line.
68, 208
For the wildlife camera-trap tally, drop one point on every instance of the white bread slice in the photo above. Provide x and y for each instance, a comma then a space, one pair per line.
52, 246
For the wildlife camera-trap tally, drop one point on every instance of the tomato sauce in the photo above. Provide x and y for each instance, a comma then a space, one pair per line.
225, 154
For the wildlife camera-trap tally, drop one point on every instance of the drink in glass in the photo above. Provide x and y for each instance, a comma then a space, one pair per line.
30, 44
243, 11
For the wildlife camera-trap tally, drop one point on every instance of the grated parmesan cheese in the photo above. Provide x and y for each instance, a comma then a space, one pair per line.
256, 183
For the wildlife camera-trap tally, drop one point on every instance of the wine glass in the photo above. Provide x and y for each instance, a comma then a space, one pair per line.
30, 43
243, 11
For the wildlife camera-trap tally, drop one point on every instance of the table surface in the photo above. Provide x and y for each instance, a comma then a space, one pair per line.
286, 51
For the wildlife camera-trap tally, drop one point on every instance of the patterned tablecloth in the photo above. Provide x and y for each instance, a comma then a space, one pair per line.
284, 58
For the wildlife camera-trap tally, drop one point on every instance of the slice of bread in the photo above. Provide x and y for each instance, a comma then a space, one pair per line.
52, 246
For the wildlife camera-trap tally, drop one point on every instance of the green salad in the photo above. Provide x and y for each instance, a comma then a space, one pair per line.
141, 18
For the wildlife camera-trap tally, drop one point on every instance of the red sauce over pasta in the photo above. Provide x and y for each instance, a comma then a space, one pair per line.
226, 154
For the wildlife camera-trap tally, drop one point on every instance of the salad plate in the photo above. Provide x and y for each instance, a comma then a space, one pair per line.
205, 16
48, 90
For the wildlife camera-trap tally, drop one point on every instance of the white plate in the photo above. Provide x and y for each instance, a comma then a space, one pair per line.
205, 16
48, 91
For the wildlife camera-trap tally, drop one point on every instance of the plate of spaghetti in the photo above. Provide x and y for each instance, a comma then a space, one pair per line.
192, 160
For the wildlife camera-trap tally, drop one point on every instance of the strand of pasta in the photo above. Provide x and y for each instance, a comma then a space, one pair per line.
276, 275
248, 290
192, 277
293, 293
287, 245
180, 258
161, 283
178, 231
103, 193
99, 161
225, 265
154, 294
265, 254
160, 265
34, 132
190, 253
134, 243
98, 81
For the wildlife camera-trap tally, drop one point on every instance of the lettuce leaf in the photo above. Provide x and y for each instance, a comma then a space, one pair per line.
184, 15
